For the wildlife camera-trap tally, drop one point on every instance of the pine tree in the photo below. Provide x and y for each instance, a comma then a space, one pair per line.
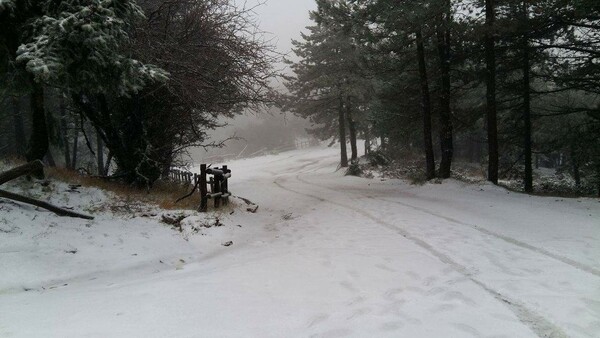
79, 46
402, 34
491, 106
329, 85
426, 106
527, 27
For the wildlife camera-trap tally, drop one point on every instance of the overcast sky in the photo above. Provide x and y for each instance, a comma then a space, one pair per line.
284, 19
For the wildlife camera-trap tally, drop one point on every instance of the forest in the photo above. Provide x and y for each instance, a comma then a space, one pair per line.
512, 85
125, 88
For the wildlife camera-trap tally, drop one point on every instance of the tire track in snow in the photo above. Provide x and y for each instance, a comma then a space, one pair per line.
296, 170
510, 240
536, 322
568, 261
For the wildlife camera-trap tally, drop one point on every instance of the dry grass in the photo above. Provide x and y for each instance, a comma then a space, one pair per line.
162, 194
10, 162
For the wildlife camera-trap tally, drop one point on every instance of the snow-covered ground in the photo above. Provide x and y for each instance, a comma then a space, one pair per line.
324, 256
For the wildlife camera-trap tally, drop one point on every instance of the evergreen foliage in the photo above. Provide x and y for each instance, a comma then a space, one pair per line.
330, 87
521, 76
80, 45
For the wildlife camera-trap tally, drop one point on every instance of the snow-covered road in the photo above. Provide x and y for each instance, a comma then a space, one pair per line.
327, 256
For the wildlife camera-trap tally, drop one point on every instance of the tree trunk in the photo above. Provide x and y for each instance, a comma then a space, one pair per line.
492, 120
38, 141
18, 126
352, 129
527, 142
100, 153
367, 141
576, 174
50, 159
75, 149
446, 128
108, 162
598, 179
342, 130
64, 130
22, 170
575, 165
426, 107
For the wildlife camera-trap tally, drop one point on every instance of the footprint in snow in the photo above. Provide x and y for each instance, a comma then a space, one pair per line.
467, 329
444, 308
384, 267
334, 333
317, 319
348, 286
359, 313
356, 301
391, 326
454, 295
392, 293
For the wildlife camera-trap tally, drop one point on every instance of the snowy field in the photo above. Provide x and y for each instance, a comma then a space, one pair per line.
324, 256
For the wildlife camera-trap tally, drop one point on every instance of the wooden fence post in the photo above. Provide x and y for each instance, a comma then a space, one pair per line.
217, 187
203, 198
225, 186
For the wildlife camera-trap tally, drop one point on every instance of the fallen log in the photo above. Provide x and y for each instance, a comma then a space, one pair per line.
22, 170
26, 169
57, 210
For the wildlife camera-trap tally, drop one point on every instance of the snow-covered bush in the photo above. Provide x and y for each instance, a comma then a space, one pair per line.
377, 158
562, 184
465, 175
557, 183
354, 169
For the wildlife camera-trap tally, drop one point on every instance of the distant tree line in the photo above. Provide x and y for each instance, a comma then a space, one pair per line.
509, 83
135, 83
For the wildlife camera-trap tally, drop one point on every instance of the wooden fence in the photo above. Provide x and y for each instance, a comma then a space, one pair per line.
213, 183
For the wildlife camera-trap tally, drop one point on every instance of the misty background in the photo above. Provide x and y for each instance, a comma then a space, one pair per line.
270, 130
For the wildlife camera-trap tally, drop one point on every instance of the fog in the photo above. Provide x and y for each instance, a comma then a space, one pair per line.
253, 134
281, 21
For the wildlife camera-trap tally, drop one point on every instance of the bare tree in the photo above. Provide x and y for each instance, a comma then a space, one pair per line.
219, 64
